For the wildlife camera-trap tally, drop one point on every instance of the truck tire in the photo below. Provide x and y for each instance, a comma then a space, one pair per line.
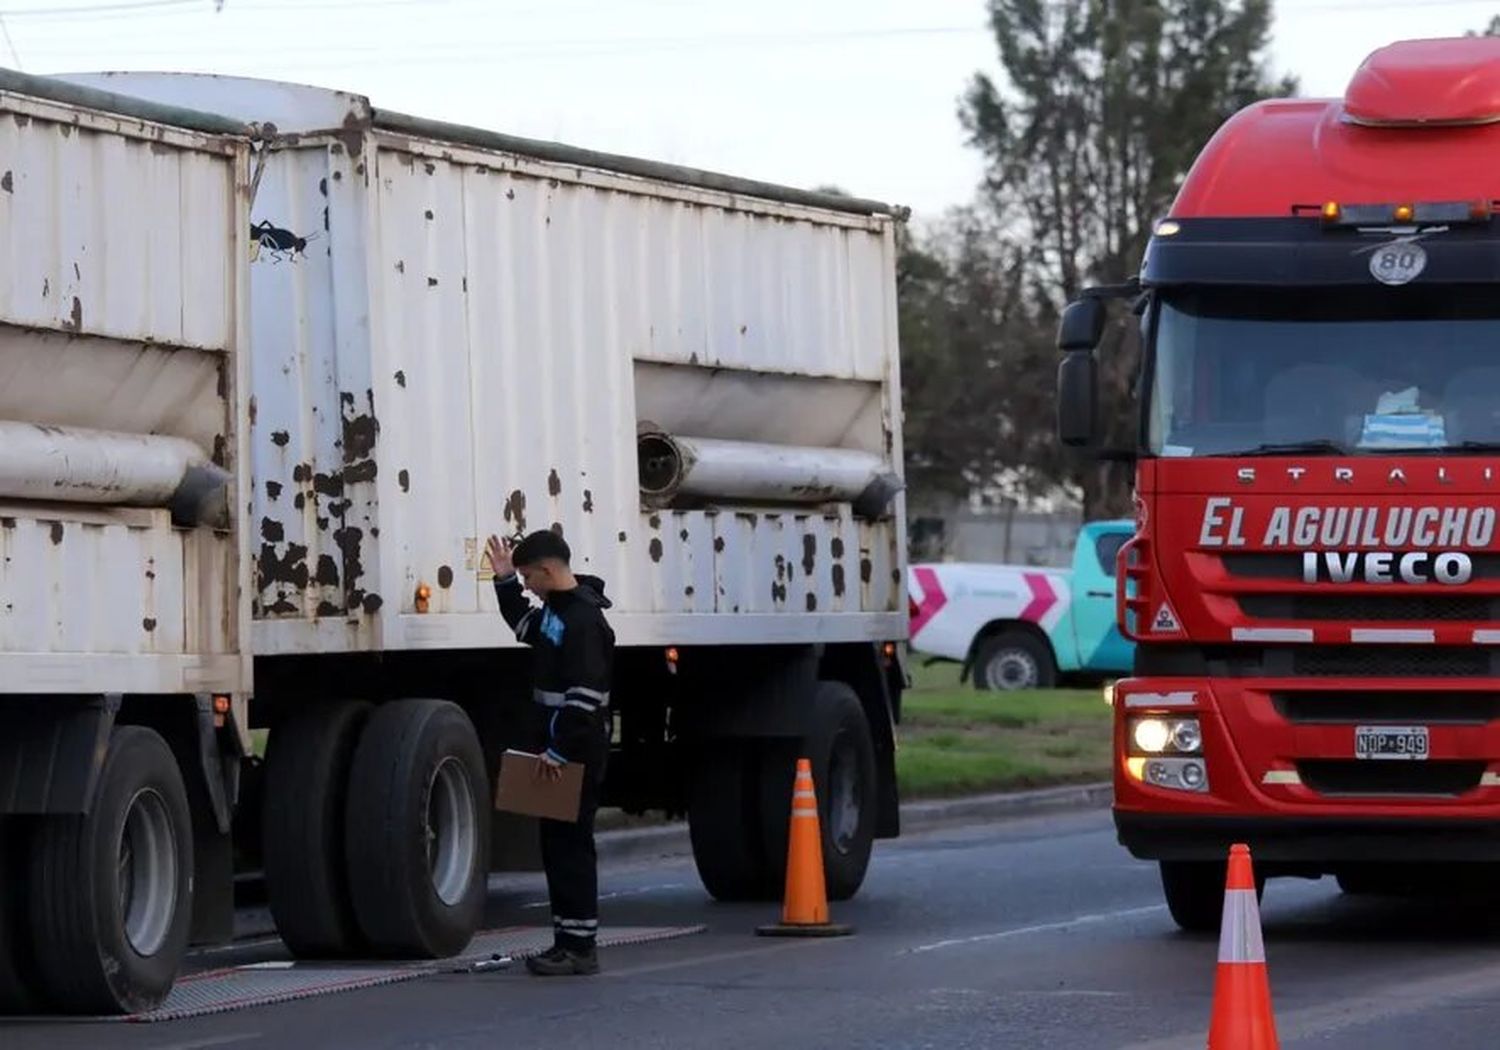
1014, 660
306, 791
417, 830
842, 752
17, 959
112, 890
723, 822
1195, 893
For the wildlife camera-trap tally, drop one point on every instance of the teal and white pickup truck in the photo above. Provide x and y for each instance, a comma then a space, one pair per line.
1018, 627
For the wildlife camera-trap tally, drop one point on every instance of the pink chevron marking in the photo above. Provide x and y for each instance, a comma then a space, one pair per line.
1043, 597
933, 599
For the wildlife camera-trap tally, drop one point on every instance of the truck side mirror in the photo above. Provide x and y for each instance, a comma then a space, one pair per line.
1077, 396
1082, 325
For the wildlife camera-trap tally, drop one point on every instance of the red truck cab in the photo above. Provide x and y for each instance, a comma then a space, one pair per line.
1314, 583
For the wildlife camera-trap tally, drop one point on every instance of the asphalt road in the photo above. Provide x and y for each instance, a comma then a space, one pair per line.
1032, 933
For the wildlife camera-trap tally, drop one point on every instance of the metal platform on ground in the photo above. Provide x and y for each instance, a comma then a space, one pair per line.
262, 984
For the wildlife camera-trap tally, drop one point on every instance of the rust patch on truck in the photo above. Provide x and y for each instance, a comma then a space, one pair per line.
7, 182
281, 439
350, 540
271, 530
515, 510
445, 577
554, 483
360, 431
289, 568
75, 315
866, 569
656, 549
328, 571
836, 548
330, 485
809, 554
360, 472
148, 625
56, 533
838, 581
273, 490
812, 602
401, 379
588, 501
718, 544
404, 480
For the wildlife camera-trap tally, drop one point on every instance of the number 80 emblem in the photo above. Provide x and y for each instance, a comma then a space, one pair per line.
1398, 262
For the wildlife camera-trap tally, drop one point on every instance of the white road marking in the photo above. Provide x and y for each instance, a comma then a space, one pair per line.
793, 944
1046, 927
1394, 1000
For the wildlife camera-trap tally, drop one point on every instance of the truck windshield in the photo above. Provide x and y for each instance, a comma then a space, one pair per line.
1325, 371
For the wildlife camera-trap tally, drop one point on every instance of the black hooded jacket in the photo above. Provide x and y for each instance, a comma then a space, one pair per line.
575, 651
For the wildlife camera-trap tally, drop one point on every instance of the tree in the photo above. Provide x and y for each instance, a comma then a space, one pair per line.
1103, 107
1493, 29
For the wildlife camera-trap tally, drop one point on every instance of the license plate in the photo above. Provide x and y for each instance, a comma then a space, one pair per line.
1390, 742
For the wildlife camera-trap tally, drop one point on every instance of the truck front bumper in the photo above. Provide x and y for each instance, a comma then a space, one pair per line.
1283, 777
1312, 841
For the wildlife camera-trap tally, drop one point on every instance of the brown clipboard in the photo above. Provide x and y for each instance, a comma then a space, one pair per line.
521, 789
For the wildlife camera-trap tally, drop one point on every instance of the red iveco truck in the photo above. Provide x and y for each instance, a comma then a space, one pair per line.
1314, 582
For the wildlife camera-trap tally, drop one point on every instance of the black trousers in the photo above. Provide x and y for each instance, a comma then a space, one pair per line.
569, 857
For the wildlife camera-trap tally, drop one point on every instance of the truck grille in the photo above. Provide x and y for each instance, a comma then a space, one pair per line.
1347, 608
1335, 708
1285, 661
1355, 777
1376, 661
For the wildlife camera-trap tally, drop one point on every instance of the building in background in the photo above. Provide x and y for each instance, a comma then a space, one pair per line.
992, 530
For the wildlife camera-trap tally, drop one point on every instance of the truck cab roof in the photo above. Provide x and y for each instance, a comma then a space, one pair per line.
1420, 121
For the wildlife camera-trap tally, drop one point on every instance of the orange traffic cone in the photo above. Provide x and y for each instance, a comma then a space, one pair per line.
1242, 1017
804, 912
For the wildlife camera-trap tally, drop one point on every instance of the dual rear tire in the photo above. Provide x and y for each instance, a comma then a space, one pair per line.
740, 803
376, 830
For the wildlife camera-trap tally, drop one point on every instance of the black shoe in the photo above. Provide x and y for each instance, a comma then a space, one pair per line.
564, 962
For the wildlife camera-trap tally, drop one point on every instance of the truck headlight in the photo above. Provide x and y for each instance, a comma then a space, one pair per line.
1161, 736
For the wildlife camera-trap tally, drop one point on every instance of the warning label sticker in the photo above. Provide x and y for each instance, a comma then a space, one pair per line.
1165, 621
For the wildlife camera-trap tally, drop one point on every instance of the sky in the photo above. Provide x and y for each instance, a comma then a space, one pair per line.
861, 94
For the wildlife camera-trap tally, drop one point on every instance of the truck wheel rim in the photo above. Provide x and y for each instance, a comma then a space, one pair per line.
843, 794
451, 831
1011, 669
146, 870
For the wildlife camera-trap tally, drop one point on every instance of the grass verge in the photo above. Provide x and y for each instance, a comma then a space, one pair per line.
955, 740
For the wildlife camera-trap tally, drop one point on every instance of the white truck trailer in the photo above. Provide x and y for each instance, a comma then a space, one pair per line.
363, 343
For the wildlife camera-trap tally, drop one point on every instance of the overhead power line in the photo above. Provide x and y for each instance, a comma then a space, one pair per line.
96, 9
15, 56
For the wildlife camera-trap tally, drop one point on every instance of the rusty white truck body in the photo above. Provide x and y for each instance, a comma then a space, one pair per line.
391, 337
454, 338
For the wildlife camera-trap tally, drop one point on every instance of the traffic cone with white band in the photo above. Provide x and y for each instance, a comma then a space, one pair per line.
804, 911
1242, 1016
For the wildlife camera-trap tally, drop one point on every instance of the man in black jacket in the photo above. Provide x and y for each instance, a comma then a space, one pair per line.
574, 662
